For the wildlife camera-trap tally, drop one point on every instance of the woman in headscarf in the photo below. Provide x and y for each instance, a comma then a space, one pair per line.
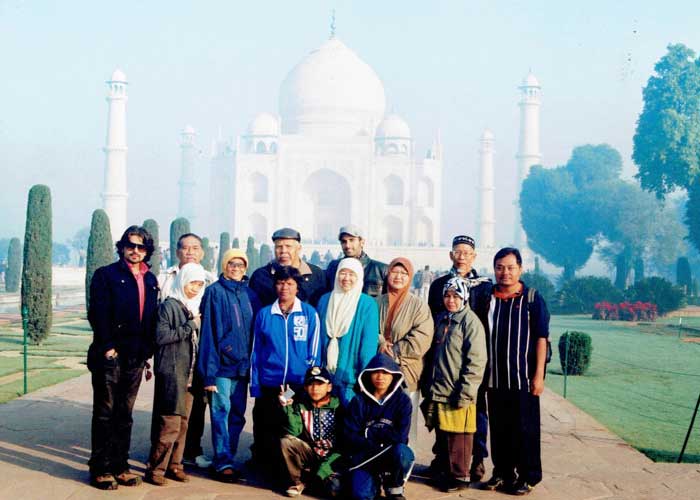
176, 340
405, 329
454, 372
349, 326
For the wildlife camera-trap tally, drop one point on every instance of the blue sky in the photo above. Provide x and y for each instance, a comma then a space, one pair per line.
448, 65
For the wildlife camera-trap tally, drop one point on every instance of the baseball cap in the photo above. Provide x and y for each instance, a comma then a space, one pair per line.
317, 373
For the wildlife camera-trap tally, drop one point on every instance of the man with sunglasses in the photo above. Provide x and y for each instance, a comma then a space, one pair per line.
123, 302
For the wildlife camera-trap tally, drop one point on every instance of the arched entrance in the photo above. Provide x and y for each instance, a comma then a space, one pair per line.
327, 204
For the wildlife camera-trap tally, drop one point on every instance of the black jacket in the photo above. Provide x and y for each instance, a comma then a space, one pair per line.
479, 297
375, 275
114, 315
311, 286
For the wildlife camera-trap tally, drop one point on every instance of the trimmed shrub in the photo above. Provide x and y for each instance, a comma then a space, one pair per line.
575, 349
178, 227
14, 265
253, 255
265, 254
224, 244
684, 277
100, 248
315, 258
659, 291
36, 268
541, 283
208, 260
152, 227
235, 243
580, 295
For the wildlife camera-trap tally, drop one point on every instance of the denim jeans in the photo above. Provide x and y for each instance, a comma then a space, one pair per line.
227, 414
390, 469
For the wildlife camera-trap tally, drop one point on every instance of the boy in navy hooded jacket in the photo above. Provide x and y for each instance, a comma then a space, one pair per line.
376, 432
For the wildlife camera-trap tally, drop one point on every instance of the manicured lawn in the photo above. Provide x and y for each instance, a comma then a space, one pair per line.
642, 384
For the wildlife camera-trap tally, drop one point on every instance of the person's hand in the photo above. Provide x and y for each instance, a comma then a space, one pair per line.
387, 348
211, 388
537, 385
111, 354
282, 399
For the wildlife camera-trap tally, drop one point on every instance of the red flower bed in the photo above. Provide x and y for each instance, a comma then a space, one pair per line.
627, 311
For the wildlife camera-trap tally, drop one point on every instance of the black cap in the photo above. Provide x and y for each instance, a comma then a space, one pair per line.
317, 373
462, 239
286, 233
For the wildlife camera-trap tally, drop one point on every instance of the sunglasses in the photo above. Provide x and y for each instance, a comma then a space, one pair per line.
135, 246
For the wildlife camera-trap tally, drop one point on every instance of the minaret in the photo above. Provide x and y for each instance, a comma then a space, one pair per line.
487, 217
114, 195
529, 143
186, 204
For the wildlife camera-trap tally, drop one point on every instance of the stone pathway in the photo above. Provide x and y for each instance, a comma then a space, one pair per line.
45, 444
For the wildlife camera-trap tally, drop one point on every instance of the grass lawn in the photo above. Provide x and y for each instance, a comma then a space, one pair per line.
60, 357
642, 384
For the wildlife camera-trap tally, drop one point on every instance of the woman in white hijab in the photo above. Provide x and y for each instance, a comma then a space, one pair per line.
349, 328
176, 340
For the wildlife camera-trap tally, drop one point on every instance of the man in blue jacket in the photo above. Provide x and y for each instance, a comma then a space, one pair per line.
123, 302
376, 432
285, 345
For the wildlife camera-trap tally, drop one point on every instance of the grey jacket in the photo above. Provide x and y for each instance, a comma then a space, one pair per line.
455, 366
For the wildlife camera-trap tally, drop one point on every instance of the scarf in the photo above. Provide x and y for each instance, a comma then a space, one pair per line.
341, 309
396, 297
188, 273
461, 288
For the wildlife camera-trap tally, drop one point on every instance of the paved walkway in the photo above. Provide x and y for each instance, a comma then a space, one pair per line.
45, 442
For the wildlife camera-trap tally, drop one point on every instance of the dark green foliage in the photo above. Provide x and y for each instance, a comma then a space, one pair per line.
541, 283
36, 269
575, 349
235, 243
684, 278
14, 266
224, 244
621, 271
208, 260
100, 248
537, 265
659, 291
178, 227
638, 269
315, 258
692, 214
252, 254
265, 254
155, 260
579, 295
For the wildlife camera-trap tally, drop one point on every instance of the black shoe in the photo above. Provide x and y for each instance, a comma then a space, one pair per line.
495, 483
477, 471
398, 496
104, 482
452, 484
520, 488
227, 475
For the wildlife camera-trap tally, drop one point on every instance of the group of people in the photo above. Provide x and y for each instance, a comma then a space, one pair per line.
340, 362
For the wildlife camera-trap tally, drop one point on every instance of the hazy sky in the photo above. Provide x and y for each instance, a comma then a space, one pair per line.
448, 65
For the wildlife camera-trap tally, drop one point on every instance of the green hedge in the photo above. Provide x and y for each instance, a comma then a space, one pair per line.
577, 357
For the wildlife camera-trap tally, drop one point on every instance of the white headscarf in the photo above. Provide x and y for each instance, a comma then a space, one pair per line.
188, 273
341, 309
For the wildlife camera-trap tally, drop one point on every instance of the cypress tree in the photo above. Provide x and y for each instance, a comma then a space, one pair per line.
265, 254
224, 244
315, 258
208, 260
14, 265
684, 278
638, 269
235, 243
252, 255
100, 249
178, 227
152, 227
36, 269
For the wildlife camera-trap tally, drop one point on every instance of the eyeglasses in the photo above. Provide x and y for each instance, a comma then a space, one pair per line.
135, 246
460, 253
236, 265
402, 274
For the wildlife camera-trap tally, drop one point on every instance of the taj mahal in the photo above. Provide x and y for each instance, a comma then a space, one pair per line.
331, 156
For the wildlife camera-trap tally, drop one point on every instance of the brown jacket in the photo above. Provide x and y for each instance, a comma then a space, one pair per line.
411, 334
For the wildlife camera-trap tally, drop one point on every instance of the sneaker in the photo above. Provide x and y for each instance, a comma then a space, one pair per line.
155, 480
295, 490
452, 484
495, 483
333, 485
477, 471
127, 478
202, 461
520, 488
177, 475
227, 475
104, 482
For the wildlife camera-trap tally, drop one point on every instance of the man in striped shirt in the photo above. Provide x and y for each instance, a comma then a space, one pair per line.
517, 348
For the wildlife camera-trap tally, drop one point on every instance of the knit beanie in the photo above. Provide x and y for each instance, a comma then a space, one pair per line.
233, 253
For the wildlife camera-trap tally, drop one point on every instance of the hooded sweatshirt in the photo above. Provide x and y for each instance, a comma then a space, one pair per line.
373, 426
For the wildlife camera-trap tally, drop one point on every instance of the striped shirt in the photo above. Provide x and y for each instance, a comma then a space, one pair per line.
515, 326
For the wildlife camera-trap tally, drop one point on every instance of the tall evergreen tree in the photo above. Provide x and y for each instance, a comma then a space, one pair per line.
208, 260
252, 254
684, 277
178, 227
235, 243
265, 254
224, 244
152, 227
100, 249
36, 269
14, 265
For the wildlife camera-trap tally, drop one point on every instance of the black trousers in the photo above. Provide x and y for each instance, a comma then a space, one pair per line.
514, 418
115, 384
268, 420
480, 450
195, 429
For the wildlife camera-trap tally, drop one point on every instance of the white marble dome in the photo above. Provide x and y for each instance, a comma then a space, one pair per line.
530, 81
118, 76
264, 124
393, 126
331, 92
